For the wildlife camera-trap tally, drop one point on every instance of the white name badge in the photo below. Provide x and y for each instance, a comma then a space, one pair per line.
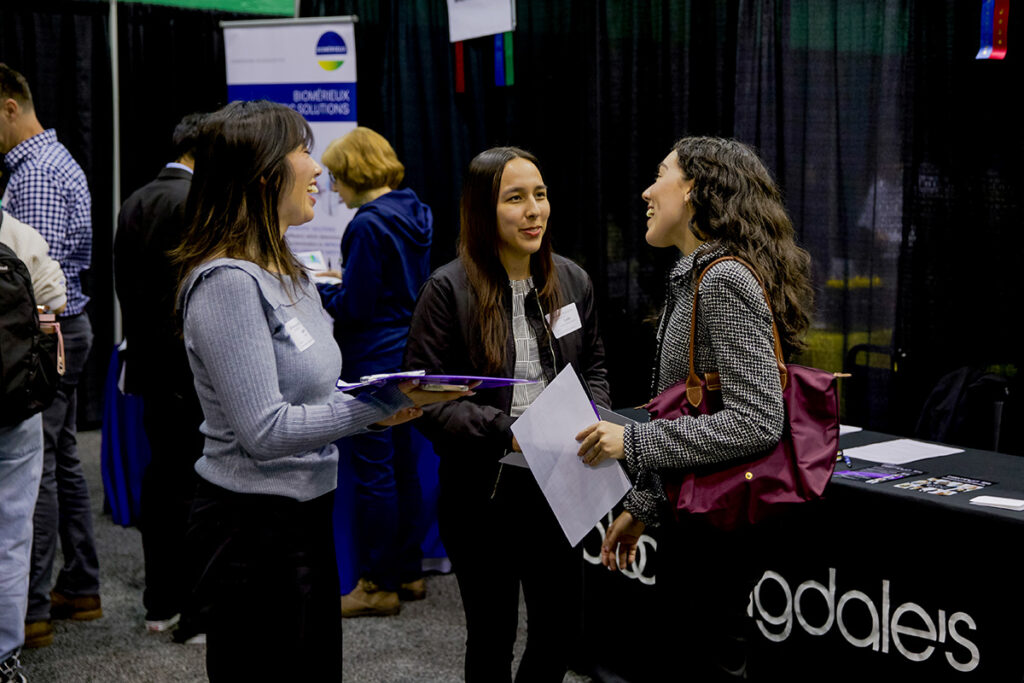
568, 320
299, 334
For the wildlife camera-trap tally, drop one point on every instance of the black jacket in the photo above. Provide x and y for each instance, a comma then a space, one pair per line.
471, 434
150, 223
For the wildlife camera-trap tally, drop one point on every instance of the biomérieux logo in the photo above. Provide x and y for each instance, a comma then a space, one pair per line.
329, 51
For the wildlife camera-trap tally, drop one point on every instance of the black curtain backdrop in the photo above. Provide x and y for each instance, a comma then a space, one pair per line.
900, 155
171, 64
603, 89
62, 48
960, 284
882, 129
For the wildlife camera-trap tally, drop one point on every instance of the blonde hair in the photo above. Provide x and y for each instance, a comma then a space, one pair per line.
364, 160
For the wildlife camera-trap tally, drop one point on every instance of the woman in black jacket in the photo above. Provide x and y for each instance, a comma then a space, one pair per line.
507, 306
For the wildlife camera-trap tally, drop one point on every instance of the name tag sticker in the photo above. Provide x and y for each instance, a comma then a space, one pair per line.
299, 334
568, 320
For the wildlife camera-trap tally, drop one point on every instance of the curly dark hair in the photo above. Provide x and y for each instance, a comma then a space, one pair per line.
737, 203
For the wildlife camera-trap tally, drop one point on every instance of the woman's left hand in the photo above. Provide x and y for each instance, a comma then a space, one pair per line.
618, 551
422, 397
402, 416
599, 442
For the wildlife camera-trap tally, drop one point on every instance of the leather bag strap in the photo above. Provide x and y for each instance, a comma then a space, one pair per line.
694, 391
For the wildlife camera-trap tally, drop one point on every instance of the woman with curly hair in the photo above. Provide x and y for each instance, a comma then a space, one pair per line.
712, 198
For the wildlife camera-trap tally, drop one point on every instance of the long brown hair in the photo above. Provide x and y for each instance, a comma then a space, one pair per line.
737, 203
479, 246
241, 172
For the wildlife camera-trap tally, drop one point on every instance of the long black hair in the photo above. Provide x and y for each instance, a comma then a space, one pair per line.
241, 172
479, 250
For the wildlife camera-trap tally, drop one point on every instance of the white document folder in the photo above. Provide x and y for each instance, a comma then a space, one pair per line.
578, 494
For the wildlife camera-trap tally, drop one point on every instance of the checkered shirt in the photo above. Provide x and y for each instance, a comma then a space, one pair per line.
734, 337
48, 191
527, 354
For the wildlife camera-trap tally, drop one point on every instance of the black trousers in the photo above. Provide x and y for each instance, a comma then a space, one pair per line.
497, 545
168, 487
704, 581
271, 580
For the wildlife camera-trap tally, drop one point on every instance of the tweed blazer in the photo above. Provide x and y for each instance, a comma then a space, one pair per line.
734, 338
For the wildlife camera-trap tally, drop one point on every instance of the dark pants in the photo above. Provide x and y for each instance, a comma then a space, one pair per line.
389, 522
168, 487
272, 584
497, 545
389, 518
63, 509
711, 576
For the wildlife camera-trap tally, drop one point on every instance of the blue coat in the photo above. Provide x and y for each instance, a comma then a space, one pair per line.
386, 255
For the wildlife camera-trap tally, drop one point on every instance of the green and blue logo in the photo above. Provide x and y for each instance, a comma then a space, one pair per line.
329, 51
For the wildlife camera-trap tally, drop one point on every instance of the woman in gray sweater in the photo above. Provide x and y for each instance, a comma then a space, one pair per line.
265, 362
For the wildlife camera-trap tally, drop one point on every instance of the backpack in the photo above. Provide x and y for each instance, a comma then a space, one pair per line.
31, 359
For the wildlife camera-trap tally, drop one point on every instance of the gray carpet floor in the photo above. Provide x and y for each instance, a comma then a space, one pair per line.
423, 643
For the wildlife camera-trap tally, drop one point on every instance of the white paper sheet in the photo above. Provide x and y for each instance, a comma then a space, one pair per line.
899, 451
578, 494
468, 19
848, 429
998, 502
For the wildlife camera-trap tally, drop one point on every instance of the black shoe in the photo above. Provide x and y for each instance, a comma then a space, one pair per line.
189, 633
157, 623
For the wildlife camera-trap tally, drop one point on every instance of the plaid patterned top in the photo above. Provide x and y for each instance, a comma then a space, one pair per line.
48, 191
527, 355
734, 337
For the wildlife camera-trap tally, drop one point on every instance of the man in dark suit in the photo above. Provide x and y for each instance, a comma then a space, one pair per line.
151, 223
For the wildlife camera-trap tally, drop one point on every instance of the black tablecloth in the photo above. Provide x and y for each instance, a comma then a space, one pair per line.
873, 581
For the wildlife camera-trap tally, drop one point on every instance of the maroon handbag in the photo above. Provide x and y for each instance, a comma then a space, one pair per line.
796, 470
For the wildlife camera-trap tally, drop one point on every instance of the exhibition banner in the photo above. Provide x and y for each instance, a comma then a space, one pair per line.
310, 66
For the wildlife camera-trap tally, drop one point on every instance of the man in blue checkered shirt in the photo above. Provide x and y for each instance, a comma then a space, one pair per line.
47, 190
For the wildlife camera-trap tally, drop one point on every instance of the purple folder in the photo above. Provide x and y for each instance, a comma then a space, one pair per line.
424, 378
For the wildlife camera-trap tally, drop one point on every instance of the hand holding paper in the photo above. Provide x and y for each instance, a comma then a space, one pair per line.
601, 441
578, 494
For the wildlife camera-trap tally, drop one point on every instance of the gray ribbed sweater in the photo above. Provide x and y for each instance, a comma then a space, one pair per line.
265, 364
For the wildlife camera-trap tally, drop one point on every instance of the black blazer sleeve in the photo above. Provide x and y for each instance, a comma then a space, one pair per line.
591, 358
437, 343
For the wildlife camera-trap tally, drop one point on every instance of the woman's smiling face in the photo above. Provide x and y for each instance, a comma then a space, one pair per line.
297, 202
668, 207
523, 212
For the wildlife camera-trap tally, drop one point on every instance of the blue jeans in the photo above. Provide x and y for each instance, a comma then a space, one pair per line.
389, 519
63, 506
390, 524
21, 464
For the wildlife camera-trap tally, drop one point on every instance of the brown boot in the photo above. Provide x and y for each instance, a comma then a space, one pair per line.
413, 590
84, 608
38, 634
368, 600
